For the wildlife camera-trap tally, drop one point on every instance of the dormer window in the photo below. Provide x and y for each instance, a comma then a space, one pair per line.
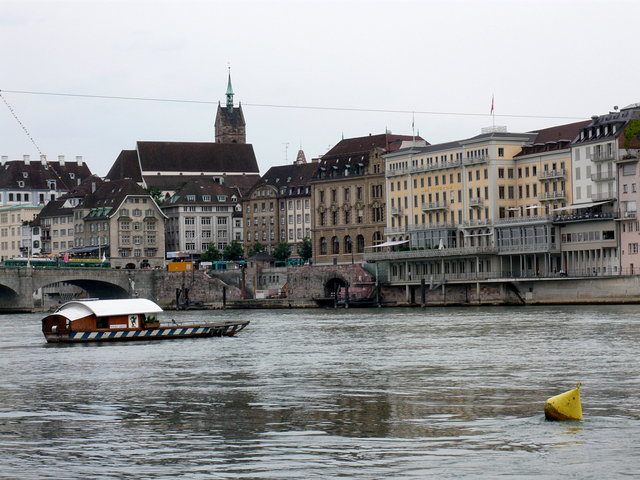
222, 198
20, 183
25, 174
51, 184
191, 198
72, 175
206, 198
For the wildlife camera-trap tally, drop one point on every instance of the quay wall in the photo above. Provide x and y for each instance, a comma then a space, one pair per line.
601, 290
304, 284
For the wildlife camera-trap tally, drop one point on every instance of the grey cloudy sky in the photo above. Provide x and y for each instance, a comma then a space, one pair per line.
539, 58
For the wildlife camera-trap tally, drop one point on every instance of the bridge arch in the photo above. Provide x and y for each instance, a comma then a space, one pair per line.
9, 298
333, 284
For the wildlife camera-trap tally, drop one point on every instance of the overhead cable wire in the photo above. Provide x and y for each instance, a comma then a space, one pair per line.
299, 107
20, 123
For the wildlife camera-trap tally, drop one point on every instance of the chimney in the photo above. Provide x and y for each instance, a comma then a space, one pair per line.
79, 160
26, 159
5, 159
93, 186
43, 159
61, 160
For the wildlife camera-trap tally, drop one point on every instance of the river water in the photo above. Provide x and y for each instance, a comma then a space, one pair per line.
357, 394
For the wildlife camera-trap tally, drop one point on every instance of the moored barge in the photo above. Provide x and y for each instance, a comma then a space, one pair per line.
123, 320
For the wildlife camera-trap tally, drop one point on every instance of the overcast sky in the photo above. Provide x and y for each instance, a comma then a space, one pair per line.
543, 60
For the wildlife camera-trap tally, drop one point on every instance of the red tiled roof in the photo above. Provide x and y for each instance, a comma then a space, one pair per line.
387, 141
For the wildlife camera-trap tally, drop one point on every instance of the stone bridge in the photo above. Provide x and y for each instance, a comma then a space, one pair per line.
18, 285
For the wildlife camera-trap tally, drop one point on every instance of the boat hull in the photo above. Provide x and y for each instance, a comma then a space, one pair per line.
222, 329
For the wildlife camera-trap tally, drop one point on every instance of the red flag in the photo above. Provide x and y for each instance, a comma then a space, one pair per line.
491, 104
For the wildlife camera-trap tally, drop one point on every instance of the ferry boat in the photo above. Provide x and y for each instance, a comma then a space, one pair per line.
123, 320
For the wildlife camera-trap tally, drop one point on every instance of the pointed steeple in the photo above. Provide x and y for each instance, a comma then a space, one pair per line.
300, 158
229, 93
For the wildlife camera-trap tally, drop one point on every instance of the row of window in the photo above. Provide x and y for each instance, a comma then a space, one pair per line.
377, 215
205, 220
347, 245
137, 239
376, 192
136, 212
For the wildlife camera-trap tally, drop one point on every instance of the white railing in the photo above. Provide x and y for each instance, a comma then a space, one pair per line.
430, 253
435, 206
549, 174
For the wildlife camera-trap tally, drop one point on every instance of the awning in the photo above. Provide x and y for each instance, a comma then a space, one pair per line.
389, 244
579, 206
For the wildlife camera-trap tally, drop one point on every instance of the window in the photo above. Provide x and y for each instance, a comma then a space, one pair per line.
347, 245
335, 245
501, 151
323, 246
633, 248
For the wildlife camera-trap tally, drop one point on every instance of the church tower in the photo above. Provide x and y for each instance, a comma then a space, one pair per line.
230, 124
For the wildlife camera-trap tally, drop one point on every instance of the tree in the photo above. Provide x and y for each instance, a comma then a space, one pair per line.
212, 254
155, 193
282, 251
233, 251
256, 248
305, 251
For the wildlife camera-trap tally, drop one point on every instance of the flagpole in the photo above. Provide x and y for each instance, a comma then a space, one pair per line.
493, 114
413, 130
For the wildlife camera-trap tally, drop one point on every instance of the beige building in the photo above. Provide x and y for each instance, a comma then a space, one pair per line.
122, 223
478, 208
13, 239
278, 208
348, 195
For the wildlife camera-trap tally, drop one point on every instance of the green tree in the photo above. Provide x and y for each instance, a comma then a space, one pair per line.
305, 251
155, 193
212, 254
282, 251
233, 251
256, 248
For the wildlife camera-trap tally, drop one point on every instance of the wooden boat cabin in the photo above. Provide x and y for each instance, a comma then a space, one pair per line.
124, 319
94, 315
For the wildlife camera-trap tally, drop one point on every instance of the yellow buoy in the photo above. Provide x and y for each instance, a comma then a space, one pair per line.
565, 406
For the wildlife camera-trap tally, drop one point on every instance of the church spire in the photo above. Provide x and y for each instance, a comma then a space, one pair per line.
229, 93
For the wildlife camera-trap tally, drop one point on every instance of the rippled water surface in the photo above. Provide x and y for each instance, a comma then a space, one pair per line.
390, 393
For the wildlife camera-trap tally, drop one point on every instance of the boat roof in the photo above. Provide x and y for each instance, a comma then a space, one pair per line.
103, 308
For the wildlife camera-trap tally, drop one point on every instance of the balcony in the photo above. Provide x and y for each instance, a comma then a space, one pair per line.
396, 211
422, 168
551, 196
431, 226
524, 219
475, 160
476, 203
395, 230
629, 214
552, 174
603, 176
603, 157
430, 253
476, 223
430, 206
543, 247
602, 196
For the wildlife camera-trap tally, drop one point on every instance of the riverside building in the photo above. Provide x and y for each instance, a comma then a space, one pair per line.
348, 196
278, 208
477, 208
